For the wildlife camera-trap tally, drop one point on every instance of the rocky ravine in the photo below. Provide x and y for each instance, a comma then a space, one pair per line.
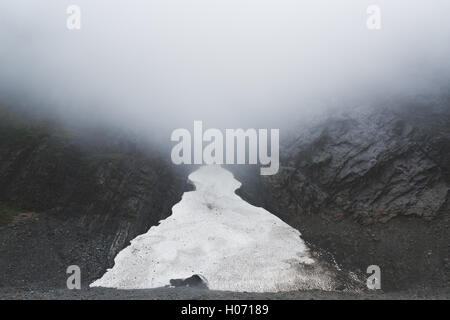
215, 238
362, 188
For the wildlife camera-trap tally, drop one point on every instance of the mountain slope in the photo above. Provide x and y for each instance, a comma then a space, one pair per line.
83, 197
370, 186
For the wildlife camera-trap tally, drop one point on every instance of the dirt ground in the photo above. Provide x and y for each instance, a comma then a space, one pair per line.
199, 294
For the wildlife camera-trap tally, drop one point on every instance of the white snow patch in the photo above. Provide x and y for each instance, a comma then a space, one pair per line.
214, 233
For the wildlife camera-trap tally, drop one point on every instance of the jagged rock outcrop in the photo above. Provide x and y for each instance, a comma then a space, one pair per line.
371, 186
374, 166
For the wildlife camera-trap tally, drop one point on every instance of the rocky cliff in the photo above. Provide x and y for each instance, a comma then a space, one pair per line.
371, 186
77, 199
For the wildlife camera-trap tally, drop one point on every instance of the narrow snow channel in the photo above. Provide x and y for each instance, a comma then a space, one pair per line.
212, 232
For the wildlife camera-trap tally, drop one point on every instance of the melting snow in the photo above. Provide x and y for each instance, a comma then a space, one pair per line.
214, 233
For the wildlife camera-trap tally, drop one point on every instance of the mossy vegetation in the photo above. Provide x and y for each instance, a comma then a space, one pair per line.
7, 213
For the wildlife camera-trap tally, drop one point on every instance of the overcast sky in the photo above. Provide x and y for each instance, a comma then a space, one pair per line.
164, 63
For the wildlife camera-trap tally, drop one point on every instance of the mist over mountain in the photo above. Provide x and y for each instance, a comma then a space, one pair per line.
87, 179
152, 66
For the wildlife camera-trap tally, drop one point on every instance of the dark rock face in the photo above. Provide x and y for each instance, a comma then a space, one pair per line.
375, 167
89, 202
195, 281
370, 187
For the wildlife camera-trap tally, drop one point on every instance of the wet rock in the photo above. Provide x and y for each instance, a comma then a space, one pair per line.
195, 281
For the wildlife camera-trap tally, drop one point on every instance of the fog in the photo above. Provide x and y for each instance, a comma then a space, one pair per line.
160, 64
